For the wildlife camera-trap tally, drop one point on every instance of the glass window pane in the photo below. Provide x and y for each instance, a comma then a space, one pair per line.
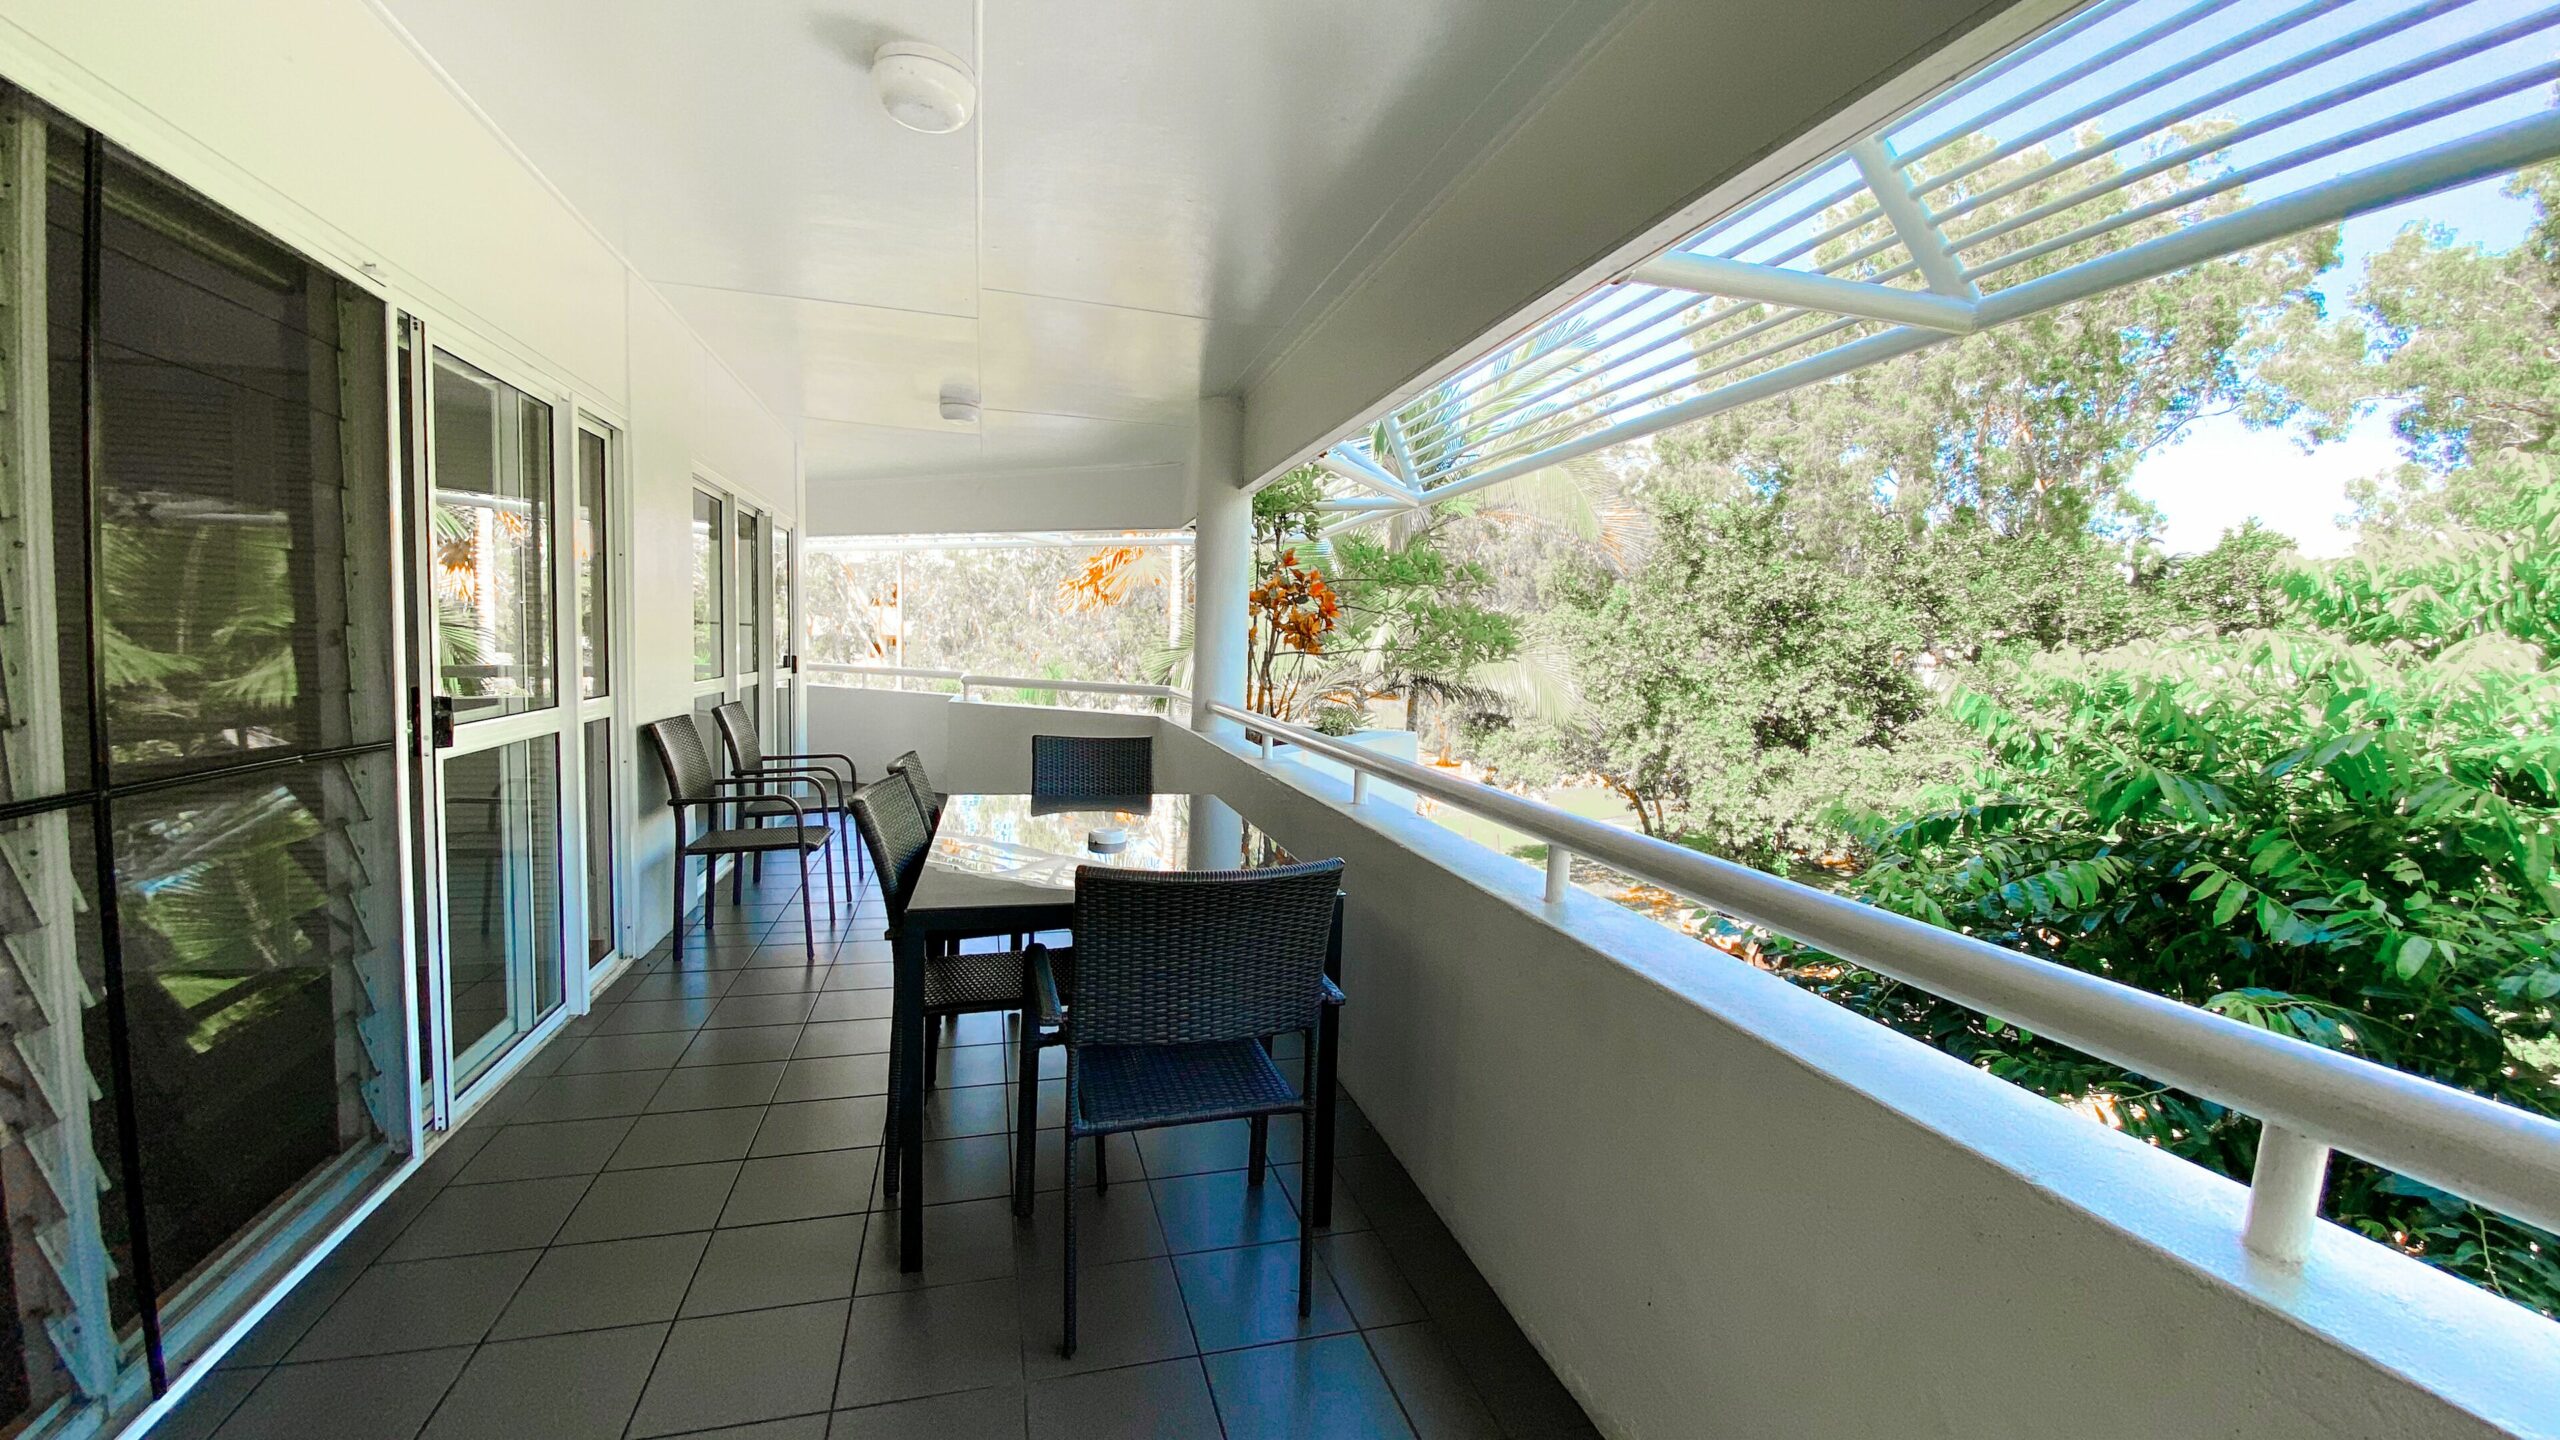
243, 511
781, 593
709, 612
751, 577
260, 916
600, 841
492, 521
595, 649
502, 888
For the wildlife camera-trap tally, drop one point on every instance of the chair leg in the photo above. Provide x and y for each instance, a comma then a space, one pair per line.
738, 876
932, 1048
1306, 1214
1068, 1349
808, 927
1101, 1163
678, 867
1261, 1126
1026, 1115
889, 1128
710, 893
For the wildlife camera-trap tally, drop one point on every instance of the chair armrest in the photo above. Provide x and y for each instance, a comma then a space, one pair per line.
799, 812
1333, 995
1042, 982
851, 774
809, 774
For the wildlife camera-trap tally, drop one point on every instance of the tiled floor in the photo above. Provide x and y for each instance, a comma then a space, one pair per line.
670, 1224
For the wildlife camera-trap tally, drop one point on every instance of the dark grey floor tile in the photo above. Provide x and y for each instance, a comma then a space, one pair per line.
716, 1087
738, 1369
843, 1037
1438, 1397
1195, 1149
950, 1112
991, 1414
380, 1397
1168, 1400
208, 1403
534, 1152
744, 1045
929, 1342
832, 1077
560, 1387
798, 1427
473, 1219
1049, 1169
791, 1262
641, 1017
417, 1306
789, 1008
608, 1283
964, 1065
689, 1137
679, 985
1250, 1297
977, 1168
626, 1052
1367, 1276
1220, 1211
1114, 1225
457, 1149
1126, 1314
778, 981
284, 1326
822, 1125
1347, 1214
620, 1204
965, 1241
853, 1005
850, 973
1383, 1189
589, 1096
1325, 1389
801, 1187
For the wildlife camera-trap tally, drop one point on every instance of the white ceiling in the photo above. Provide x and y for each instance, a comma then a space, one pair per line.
1155, 198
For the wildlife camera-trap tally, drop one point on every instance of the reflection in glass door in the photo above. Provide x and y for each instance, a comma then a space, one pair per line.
597, 517
490, 626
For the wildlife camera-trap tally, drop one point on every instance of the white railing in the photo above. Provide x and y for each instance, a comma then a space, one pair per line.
2310, 1100
968, 680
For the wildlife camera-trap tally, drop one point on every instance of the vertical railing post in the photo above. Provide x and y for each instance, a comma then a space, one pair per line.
1559, 872
1359, 787
2284, 1194
1266, 747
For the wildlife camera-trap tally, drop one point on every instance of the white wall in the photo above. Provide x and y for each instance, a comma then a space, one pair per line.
317, 121
1724, 1207
977, 745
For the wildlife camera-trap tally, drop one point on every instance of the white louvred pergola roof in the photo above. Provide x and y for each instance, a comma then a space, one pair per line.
2131, 140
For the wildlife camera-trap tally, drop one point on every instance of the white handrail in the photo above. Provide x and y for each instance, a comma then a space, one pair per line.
968, 679
2309, 1099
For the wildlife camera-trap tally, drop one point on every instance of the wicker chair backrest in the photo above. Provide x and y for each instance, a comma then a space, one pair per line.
682, 756
894, 830
1185, 957
1072, 767
738, 728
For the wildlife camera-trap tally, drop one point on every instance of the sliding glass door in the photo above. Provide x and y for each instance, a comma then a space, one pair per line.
490, 626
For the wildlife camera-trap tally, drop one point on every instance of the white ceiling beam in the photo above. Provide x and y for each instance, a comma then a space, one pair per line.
1400, 450
1741, 280
1910, 220
1362, 505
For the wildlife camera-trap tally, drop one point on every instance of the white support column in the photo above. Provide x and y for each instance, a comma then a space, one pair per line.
2284, 1194
1222, 557
1559, 873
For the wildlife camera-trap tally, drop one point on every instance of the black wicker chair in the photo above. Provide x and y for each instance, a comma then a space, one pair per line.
920, 784
1092, 767
685, 760
747, 757
1182, 979
955, 983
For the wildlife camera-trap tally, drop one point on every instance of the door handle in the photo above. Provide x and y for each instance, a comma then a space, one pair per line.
440, 720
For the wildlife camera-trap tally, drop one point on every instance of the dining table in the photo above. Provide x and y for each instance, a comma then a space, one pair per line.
1004, 864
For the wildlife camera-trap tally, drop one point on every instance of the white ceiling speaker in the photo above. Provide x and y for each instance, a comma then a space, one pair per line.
960, 403
924, 87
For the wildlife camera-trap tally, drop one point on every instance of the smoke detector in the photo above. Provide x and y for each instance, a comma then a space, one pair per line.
960, 403
924, 87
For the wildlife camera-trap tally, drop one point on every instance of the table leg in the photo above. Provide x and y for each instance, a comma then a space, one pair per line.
907, 1008
1320, 1184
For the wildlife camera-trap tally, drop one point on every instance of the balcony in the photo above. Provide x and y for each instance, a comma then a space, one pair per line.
669, 1222
490, 378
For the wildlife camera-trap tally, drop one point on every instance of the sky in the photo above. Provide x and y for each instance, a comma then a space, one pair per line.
2221, 473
